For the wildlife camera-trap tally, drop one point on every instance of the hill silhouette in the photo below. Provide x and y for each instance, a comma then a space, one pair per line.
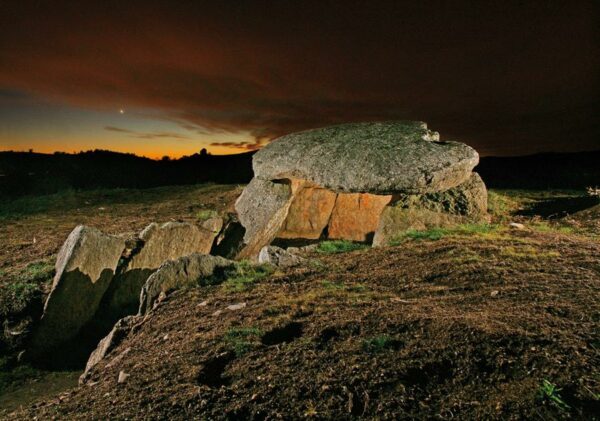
29, 173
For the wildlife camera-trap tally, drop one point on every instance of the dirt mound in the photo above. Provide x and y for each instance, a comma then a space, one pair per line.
463, 328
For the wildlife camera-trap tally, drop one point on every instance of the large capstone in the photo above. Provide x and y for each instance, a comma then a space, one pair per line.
363, 182
377, 158
85, 266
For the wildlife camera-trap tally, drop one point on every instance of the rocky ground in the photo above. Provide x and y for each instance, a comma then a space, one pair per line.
478, 322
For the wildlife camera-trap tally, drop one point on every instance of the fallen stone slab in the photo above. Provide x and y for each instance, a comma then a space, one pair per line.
188, 271
157, 244
107, 344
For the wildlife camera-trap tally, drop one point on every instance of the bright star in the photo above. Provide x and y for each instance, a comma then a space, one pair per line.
122, 111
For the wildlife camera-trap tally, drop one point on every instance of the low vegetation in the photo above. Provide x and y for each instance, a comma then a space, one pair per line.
245, 275
339, 246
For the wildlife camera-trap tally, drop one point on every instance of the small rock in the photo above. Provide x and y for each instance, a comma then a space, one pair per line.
217, 313
161, 297
166, 337
494, 293
279, 257
237, 306
516, 226
123, 376
203, 303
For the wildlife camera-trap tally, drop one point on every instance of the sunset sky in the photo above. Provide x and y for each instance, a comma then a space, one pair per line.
169, 78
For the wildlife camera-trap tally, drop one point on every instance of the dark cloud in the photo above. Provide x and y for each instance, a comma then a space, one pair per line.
147, 135
507, 77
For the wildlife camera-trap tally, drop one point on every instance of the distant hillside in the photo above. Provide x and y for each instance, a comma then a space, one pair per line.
23, 173
542, 171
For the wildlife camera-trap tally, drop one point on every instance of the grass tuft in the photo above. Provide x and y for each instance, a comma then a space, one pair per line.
242, 339
245, 275
379, 344
339, 246
434, 234
550, 391
206, 214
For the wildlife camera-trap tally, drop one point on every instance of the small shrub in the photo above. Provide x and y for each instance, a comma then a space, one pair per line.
206, 214
593, 191
549, 391
379, 344
339, 246
332, 285
246, 274
243, 339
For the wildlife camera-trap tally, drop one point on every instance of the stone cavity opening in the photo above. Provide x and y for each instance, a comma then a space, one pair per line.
317, 213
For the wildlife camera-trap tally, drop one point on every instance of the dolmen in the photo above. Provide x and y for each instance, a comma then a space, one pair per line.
364, 182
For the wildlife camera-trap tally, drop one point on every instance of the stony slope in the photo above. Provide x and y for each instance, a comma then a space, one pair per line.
465, 327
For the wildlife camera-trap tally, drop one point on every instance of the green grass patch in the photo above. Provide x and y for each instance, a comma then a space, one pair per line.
527, 252
245, 275
434, 234
206, 214
37, 272
242, 339
379, 344
339, 246
549, 391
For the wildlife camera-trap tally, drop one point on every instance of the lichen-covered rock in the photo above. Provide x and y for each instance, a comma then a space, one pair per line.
188, 271
158, 243
85, 266
466, 203
262, 208
279, 257
377, 158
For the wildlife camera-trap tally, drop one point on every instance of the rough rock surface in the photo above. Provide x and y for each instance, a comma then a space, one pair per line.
84, 268
159, 243
110, 342
193, 270
377, 158
466, 203
309, 213
355, 216
262, 208
279, 257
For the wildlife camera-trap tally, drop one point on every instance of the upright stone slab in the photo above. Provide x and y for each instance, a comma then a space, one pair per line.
158, 243
309, 213
466, 203
355, 216
85, 266
262, 208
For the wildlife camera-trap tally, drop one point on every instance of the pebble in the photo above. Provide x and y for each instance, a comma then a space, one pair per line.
516, 225
494, 293
122, 377
237, 306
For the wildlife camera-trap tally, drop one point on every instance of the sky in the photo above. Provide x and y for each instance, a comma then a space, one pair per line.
170, 78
